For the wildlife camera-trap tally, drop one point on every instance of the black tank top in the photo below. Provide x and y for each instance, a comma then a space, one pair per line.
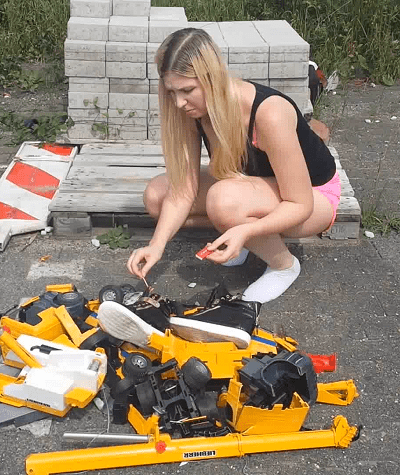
320, 163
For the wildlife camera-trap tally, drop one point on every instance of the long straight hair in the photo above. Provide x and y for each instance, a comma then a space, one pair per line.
191, 52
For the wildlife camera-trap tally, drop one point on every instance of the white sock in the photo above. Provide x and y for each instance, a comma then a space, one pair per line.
237, 261
272, 283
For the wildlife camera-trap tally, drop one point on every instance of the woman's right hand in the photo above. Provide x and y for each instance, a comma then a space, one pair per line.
143, 259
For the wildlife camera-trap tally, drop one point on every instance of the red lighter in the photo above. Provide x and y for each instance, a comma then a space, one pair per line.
203, 253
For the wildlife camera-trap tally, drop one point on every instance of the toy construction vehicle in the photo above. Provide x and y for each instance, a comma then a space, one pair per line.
53, 377
191, 400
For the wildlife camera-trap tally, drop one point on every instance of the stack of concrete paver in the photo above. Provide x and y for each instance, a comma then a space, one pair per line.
109, 59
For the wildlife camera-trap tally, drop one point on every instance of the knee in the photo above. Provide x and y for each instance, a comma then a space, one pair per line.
153, 198
223, 204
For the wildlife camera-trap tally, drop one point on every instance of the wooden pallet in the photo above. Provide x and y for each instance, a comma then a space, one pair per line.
109, 179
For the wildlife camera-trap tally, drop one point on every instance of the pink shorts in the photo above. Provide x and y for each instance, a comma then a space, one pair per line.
331, 190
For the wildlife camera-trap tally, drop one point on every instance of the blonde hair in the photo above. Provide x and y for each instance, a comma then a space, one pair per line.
192, 53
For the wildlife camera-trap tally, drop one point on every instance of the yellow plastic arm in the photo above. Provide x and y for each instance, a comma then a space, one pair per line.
19, 350
167, 450
339, 393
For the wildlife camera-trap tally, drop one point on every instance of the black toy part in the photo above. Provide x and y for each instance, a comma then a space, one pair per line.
273, 379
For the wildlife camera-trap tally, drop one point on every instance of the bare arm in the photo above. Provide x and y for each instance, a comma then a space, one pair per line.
174, 212
276, 135
276, 124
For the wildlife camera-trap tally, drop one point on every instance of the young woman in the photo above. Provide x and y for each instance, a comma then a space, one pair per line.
270, 176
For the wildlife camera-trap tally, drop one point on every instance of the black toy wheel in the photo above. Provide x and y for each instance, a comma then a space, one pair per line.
136, 366
69, 298
74, 303
111, 292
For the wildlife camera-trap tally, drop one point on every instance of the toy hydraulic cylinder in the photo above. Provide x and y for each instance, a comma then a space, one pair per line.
19, 350
168, 450
107, 438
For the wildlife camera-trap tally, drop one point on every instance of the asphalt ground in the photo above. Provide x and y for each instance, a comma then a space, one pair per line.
346, 301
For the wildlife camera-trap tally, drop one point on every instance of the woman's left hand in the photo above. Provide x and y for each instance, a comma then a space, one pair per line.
234, 240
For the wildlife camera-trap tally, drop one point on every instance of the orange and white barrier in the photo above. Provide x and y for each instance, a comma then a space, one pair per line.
28, 186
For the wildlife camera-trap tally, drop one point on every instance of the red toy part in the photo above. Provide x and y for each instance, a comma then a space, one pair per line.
323, 363
203, 253
161, 447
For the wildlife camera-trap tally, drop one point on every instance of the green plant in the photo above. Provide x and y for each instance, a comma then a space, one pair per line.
33, 29
379, 222
30, 80
103, 125
115, 238
10, 69
45, 128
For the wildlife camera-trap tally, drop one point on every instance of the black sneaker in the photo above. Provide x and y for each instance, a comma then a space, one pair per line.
228, 319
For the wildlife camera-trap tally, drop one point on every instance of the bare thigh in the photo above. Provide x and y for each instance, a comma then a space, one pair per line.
157, 189
256, 197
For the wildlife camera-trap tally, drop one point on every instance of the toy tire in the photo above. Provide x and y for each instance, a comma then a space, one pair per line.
69, 298
112, 293
136, 367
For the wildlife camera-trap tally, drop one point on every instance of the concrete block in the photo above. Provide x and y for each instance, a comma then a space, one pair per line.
87, 100
151, 51
130, 122
130, 116
154, 133
152, 72
87, 115
343, 230
213, 29
91, 8
131, 7
88, 29
301, 99
250, 70
123, 69
89, 69
160, 29
153, 102
71, 224
83, 131
127, 134
95, 85
128, 101
244, 42
294, 83
288, 70
126, 51
167, 13
153, 118
153, 86
292, 89
129, 86
132, 29
284, 42
85, 50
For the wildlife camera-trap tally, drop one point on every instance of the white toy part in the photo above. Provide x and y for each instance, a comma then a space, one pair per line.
64, 370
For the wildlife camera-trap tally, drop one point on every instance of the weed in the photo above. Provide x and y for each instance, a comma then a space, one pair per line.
34, 30
45, 128
30, 80
104, 125
383, 223
115, 238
